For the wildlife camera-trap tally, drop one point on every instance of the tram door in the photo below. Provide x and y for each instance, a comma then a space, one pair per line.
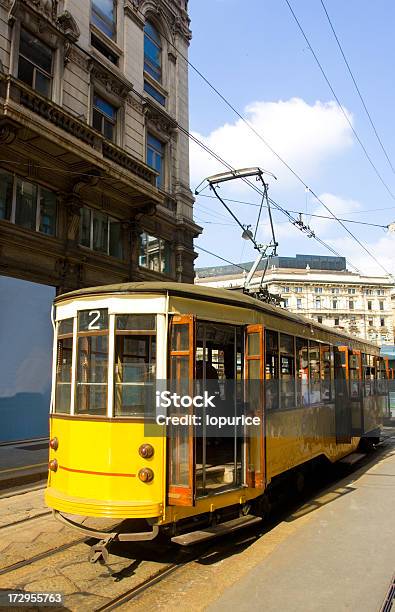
254, 394
342, 400
181, 443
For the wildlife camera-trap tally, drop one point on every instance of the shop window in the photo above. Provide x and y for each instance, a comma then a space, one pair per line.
104, 16
64, 359
135, 364
287, 371
92, 362
100, 232
104, 117
27, 204
155, 254
152, 51
35, 63
155, 157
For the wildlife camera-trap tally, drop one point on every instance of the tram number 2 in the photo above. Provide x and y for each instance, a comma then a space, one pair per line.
93, 320
95, 314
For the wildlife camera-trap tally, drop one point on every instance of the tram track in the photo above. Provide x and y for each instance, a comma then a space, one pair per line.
26, 519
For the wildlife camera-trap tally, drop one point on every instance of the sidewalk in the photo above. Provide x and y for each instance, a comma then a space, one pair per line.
342, 559
23, 462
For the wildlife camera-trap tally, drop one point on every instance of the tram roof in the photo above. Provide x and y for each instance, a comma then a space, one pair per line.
199, 292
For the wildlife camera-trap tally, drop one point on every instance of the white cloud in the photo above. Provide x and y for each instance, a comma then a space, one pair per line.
305, 135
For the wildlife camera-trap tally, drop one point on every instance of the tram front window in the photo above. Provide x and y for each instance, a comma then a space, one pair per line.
135, 364
63, 366
92, 362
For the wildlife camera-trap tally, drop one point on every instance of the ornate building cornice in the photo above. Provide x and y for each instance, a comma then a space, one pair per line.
159, 119
112, 82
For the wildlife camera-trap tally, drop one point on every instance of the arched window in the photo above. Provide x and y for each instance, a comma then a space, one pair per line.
152, 51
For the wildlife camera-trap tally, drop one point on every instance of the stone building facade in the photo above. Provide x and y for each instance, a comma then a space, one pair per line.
322, 289
94, 163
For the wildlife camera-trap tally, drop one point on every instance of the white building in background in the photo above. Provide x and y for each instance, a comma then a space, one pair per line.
322, 289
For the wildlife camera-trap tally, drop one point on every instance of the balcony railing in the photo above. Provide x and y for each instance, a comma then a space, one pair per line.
12, 89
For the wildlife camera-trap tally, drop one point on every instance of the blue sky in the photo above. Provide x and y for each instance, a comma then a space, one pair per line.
260, 61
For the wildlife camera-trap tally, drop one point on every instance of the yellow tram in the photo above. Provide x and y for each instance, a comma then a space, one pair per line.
317, 393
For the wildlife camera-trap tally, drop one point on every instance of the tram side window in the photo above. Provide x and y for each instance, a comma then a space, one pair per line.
64, 358
287, 371
302, 372
315, 372
354, 374
327, 373
382, 386
271, 376
135, 364
92, 362
368, 374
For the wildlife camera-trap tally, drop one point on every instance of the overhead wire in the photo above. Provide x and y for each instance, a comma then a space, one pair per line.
297, 212
356, 87
220, 257
363, 246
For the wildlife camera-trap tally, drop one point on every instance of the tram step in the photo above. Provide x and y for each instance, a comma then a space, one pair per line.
194, 537
351, 459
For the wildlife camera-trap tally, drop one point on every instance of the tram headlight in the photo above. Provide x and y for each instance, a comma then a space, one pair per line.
53, 465
146, 475
146, 451
54, 444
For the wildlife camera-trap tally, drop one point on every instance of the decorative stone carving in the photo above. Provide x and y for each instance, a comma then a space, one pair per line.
109, 80
135, 103
68, 25
7, 134
159, 119
46, 8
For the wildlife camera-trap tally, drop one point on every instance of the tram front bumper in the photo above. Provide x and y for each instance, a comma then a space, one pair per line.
99, 508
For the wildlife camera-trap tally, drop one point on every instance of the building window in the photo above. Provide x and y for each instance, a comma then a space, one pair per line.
155, 157
104, 50
351, 291
155, 254
382, 322
104, 117
286, 303
369, 305
370, 322
100, 232
298, 289
318, 289
35, 63
154, 93
6, 191
369, 292
335, 290
351, 304
381, 305
299, 303
152, 52
318, 303
319, 319
285, 289
27, 204
380, 291
334, 304
104, 16
336, 321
